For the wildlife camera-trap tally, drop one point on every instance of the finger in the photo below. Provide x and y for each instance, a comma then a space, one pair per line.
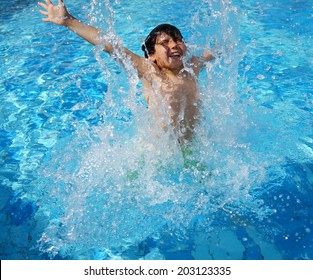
61, 2
43, 13
43, 5
48, 2
45, 19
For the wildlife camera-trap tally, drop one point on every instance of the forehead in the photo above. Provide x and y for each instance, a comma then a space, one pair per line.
164, 36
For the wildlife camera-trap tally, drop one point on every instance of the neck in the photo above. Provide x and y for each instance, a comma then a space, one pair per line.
174, 72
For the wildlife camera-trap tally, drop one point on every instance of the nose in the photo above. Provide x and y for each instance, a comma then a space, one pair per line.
173, 44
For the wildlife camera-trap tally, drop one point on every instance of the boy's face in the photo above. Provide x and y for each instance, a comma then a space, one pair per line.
168, 52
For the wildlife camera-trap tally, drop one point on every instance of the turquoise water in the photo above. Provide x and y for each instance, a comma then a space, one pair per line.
81, 177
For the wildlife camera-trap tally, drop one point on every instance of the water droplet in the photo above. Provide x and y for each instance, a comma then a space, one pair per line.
260, 77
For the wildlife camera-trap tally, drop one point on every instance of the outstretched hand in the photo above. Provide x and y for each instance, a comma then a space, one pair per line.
56, 14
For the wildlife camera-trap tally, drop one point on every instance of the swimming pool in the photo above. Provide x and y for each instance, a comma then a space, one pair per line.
82, 179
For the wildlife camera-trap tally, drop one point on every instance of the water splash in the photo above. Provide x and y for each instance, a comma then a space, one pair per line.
113, 185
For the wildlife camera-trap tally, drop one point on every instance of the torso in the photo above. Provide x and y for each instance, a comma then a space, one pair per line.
174, 100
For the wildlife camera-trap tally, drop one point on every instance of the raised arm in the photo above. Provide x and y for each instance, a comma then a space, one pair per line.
59, 15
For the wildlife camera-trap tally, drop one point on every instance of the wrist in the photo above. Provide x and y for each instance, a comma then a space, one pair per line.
68, 20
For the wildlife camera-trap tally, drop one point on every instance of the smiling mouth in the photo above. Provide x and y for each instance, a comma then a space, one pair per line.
175, 55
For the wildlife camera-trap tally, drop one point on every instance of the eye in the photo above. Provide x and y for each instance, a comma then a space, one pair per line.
164, 43
179, 40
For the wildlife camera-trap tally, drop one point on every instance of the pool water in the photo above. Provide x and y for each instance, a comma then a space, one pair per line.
81, 176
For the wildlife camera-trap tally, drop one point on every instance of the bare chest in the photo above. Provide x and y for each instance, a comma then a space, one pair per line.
175, 92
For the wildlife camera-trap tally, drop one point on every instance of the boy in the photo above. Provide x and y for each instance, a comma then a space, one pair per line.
169, 87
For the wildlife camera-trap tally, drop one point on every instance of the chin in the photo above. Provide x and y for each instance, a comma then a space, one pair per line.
177, 67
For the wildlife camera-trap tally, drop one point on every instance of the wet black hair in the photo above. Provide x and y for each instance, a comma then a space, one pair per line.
171, 30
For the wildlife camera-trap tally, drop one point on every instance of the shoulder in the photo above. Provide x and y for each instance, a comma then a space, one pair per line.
139, 62
150, 70
199, 62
